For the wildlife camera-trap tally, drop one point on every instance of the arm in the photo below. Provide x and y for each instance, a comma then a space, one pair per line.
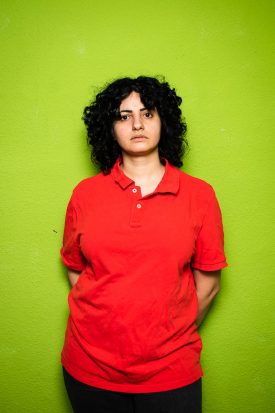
207, 287
73, 276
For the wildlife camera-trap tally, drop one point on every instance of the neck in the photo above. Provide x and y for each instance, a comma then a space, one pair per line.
142, 168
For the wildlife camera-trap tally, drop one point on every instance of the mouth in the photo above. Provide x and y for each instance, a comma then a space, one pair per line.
139, 137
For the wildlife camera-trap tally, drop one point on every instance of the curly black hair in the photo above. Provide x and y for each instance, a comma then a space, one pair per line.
100, 115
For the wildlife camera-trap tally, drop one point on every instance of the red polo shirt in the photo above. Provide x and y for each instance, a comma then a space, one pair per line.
132, 312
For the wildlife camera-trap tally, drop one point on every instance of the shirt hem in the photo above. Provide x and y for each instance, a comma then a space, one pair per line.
210, 267
126, 387
69, 265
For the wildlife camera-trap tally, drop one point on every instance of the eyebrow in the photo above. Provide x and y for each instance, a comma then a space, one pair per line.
130, 111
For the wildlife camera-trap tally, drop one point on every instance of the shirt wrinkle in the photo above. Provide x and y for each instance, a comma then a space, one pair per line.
132, 323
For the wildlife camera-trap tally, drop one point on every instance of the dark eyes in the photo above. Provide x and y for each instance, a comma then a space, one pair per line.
146, 114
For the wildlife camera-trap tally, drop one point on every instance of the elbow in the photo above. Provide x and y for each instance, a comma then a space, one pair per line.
208, 294
215, 290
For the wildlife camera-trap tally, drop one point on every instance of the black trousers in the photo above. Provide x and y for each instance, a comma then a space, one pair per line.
87, 399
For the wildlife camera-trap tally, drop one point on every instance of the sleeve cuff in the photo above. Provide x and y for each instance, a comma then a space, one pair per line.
71, 265
209, 267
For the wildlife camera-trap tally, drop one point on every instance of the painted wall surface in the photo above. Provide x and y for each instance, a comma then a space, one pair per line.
54, 56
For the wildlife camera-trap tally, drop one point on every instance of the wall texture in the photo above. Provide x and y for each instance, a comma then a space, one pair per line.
54, 55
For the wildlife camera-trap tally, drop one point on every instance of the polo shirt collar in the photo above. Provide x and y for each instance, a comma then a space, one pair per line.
170, 181
119, 176
168, 184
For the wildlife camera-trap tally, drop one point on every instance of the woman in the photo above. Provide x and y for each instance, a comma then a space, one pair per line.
143, 243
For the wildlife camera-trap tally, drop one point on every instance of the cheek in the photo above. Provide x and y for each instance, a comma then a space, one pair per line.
121, 135
157, 126
118, 131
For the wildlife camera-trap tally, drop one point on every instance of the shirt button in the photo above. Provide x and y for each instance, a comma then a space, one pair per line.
134, 190
138, 205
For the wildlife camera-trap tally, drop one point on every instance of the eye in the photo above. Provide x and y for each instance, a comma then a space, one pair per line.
148, 114
124, 117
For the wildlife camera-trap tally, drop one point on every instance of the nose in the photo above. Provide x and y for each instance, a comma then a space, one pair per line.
137, 122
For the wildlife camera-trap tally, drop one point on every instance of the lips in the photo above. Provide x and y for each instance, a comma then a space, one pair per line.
139, 137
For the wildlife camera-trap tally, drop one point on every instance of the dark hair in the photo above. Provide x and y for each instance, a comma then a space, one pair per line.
100, 115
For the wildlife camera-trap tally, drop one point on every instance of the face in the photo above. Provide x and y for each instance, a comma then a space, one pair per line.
138, 130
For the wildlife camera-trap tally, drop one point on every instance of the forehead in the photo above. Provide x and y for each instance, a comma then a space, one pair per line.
132, 102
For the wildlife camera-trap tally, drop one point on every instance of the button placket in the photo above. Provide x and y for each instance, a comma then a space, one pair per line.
136, 213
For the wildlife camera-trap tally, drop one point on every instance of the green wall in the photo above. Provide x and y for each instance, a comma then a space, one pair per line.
54, 55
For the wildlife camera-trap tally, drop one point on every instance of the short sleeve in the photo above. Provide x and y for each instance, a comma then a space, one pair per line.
70, 252
209, 249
